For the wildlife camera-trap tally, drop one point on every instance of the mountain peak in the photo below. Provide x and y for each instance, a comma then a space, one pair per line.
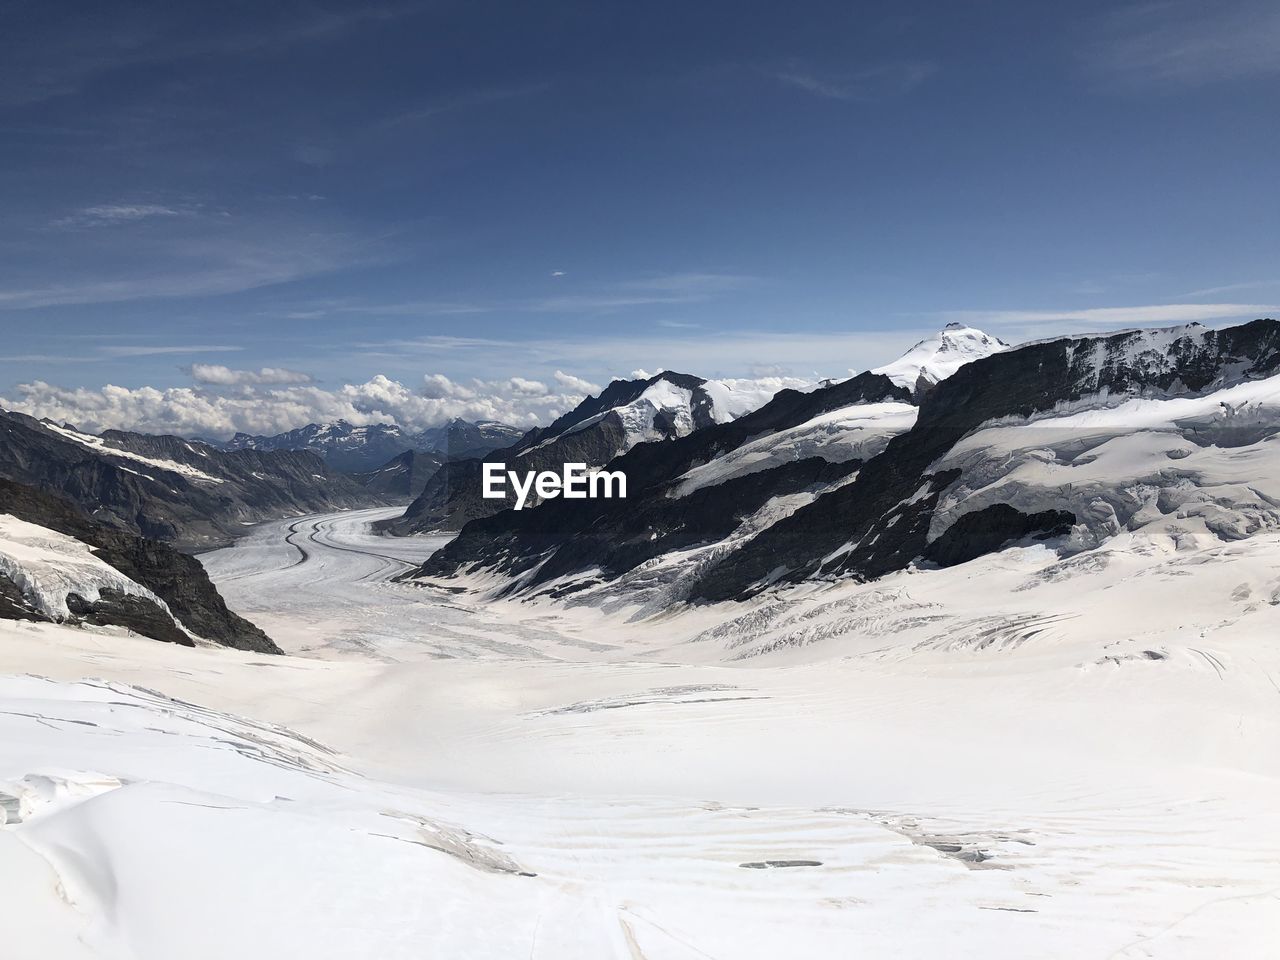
935, 358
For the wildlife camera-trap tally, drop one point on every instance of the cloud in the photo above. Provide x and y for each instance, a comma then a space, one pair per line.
162, 256
1115, 317
436, 386
111, 214
50, 57
229, 404
528, 388
575, 384
465, 100
867, 85
218, 375
259, 408
1182, 43
155, 351
659, 290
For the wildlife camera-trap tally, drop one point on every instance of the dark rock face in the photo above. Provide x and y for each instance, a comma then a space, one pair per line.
1019, 383
592, 433
985, 531
616, 535
138, 614
203, 500
14, 604
879, 522
176, 578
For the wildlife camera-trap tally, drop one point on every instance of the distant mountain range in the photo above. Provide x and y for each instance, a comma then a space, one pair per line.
184, 492
962, 447
347, 448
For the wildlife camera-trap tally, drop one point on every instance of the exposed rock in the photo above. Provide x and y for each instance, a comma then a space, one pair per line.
138, 614
176, 578
984, 531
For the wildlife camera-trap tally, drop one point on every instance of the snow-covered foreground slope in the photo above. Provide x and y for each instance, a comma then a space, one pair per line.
1018, 757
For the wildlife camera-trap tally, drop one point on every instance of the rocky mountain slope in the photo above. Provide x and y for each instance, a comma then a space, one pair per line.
57, 565
403, 477
663, 407
1074, 439
467, 438
166, 488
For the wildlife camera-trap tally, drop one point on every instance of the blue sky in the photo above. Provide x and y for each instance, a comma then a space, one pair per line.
288, 198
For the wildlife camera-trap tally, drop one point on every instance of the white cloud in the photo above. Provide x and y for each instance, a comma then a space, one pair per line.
110, 214
218, 375
575, 384
260, 407
1179, 44
528, 388
436, 386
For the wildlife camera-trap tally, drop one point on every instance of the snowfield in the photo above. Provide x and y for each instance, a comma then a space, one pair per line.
1023, 756
1188, 466
49, 566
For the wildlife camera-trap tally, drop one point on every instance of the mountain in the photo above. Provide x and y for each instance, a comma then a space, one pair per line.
1071, 440
58, 565
403, 477
166, 488
625, 414
342, 446
935, 358
466, 438
347, 448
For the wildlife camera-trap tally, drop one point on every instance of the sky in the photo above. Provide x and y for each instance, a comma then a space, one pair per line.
250, 216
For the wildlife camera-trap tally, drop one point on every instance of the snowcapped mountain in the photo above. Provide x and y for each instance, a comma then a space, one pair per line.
1075, 440
467, 438
57, 565
182, 491
625, 415
351, 449
342, 445
937, 357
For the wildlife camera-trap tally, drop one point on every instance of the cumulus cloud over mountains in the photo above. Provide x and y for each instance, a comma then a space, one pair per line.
273, 400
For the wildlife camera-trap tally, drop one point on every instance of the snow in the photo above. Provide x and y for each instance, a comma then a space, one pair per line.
99, 445
48, 566
937, 357
856, 432
732, 398
1204, 466
1023, 756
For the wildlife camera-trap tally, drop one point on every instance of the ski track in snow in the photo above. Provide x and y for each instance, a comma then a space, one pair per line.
964, 764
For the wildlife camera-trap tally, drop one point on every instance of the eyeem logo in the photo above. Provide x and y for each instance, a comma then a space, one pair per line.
575, 483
